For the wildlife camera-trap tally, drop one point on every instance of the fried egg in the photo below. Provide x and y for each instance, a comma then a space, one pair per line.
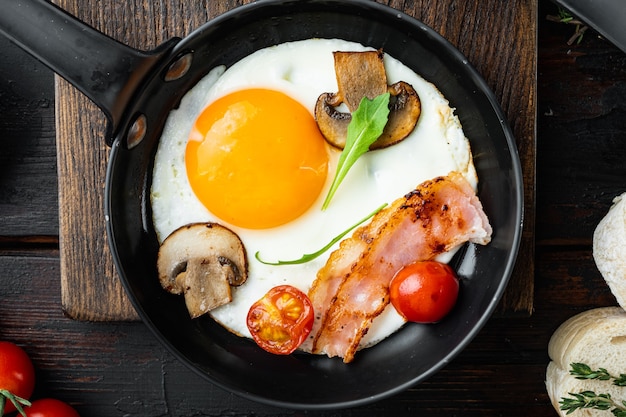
269, 189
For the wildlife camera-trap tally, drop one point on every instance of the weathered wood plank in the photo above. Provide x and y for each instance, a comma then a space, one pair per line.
28, 171
583, 114
121, 369
111, 369
506, 58
90, 287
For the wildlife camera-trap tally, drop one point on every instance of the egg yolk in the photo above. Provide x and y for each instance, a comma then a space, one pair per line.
256, 159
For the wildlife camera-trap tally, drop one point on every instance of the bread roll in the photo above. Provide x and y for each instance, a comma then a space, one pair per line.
609, 248
597, 338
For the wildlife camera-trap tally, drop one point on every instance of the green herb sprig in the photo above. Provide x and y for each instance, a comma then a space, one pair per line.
589, 399
366, 125
18, 402
583, 371
310, 256
566, 17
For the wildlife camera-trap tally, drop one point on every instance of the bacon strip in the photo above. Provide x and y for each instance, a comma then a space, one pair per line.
352, 288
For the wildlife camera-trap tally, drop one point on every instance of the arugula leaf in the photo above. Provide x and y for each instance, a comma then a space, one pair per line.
310, 256
367, 124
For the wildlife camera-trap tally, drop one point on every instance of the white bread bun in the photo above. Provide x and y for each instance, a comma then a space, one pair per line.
609, 248
597, 338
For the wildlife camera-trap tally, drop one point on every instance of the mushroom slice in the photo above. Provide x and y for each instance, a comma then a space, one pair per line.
202, 261
359, 75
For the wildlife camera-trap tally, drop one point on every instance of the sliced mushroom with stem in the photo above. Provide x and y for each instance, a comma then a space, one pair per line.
359, 75
202, 261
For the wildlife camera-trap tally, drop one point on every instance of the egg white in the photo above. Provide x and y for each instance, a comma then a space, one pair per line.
304, 70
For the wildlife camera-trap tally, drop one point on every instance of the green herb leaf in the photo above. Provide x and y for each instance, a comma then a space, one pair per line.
310, 256
18, 402
367, 124
565, 16
589, 399
586, 399
583, 371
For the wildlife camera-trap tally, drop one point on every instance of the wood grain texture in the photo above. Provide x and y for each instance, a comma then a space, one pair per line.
27, 162
90, 286
120, 369
115, 369
498, 38
595, 126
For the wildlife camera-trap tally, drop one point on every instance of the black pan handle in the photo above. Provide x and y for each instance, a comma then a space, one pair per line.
105, 70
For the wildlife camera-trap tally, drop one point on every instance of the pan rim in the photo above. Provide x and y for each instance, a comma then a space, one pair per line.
517, 181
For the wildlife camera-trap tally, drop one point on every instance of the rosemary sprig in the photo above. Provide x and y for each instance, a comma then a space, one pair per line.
583, 371
18, 402
563, 16
589, 399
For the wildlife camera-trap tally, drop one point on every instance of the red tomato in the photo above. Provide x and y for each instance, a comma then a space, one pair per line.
424, 292
281, 320
17, 374
49, 407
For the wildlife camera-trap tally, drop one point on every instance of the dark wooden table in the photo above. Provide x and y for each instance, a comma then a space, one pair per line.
119, 368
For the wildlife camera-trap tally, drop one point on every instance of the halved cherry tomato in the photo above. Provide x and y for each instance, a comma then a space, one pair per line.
17, 375
424, 292
50, 407
281, 320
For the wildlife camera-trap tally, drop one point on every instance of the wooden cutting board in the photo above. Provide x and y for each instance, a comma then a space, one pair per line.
498, 38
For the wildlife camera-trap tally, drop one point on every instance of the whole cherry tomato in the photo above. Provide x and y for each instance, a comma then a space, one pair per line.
50, 407
424, 292
281, 320
17, 375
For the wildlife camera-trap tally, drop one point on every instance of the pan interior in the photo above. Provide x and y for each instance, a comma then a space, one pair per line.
300, 380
